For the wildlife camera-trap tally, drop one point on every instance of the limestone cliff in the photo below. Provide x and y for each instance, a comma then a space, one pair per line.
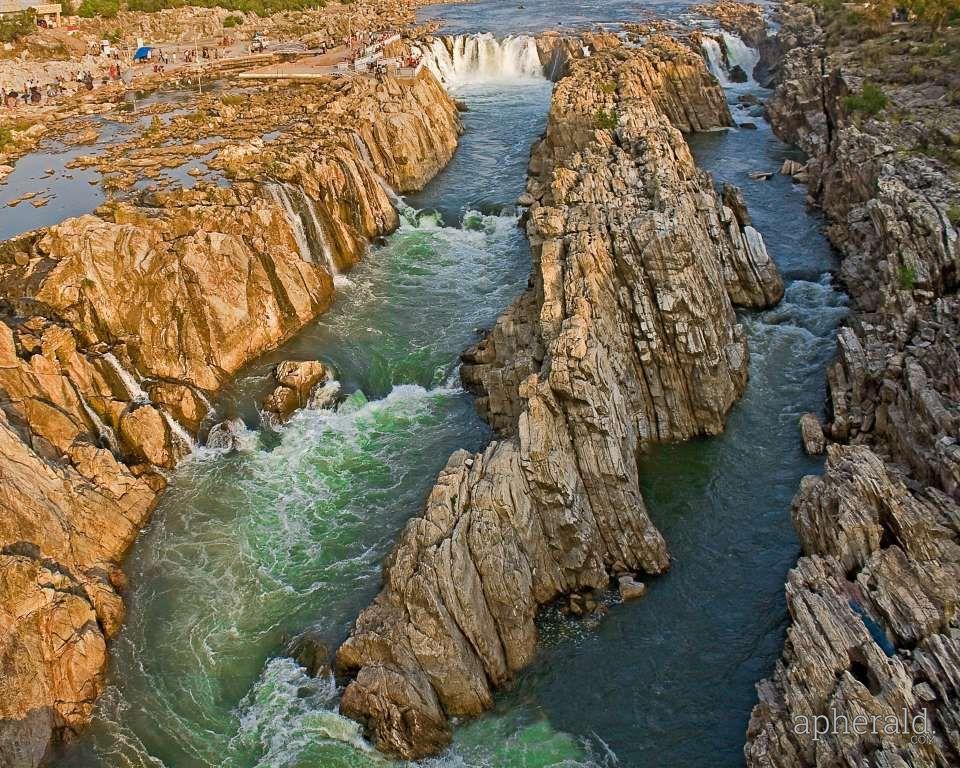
116, 328
873, 602
626, 336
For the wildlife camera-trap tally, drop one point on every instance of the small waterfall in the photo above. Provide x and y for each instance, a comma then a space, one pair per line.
307, 230
136, 393
134, 390
279, 193
714, 58
179, 432
481, 58
733, 53
104, 431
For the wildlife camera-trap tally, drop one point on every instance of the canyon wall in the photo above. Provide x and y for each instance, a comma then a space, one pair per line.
117, 327
873, 601
626, 336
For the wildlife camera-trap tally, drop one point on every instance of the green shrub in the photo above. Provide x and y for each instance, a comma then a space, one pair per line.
105, 8
870, 101
6, 136
232, 21
607, 119
953, 214
907, 277
608, 86
232, 99
16, 25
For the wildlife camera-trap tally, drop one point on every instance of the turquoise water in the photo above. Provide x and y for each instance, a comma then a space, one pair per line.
248, 550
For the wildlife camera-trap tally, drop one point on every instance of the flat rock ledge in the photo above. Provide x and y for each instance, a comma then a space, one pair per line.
626, 336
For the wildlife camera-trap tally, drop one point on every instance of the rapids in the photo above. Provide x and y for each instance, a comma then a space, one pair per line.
250, 549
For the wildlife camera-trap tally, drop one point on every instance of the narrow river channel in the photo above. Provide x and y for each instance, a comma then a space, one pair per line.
247, 550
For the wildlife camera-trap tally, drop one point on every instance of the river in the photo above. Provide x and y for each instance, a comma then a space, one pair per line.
247, 550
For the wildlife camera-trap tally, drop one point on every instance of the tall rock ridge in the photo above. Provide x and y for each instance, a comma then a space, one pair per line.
626, 336
116, 328
873, 602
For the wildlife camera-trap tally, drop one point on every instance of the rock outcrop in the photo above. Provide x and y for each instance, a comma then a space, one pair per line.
116, 328
300, 384
873, 602
626, 336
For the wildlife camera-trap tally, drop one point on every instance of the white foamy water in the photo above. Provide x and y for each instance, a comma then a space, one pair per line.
738, 54
483, 58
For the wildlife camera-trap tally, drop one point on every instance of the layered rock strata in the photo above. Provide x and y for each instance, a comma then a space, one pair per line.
626, 336
874, 637
115, 330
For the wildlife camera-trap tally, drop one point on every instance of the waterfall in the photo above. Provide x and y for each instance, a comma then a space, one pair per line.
134, 390
734, 52
481, 58
104, 431
714, 58
178, 431
136, 393
740, 54
301, 214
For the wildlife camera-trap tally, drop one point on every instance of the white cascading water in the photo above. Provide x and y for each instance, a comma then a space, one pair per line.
738, 54
137, 394
288, 197
482, 58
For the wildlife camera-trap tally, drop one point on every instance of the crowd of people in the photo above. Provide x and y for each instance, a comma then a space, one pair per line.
34, 92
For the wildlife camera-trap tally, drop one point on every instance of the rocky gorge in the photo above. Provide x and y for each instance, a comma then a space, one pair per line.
873, 601
625, 337
117, 329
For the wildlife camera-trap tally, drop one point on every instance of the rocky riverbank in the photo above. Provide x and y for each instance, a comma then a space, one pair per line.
874, 637
116, 328
626, 336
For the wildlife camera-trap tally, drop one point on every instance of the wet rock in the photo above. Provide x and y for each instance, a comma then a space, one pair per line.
737, 74
630, 588
225, 435
311, 651
296, 383
811, 432
577, 376
791, 167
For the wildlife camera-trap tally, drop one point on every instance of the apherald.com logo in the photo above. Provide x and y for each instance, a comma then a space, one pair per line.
904, 724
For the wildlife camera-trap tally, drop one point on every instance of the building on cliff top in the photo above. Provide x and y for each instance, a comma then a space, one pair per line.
48, 14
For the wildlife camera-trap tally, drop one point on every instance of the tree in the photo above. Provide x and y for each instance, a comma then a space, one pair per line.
935, 13
16, 25
106, 8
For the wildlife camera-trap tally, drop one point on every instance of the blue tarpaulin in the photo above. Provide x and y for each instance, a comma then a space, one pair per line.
142, 53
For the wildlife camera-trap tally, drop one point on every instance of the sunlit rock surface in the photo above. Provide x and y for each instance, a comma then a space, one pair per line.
626, 336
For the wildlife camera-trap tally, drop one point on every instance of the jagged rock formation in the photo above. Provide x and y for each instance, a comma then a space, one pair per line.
300, 384
115, 328
626, 336
873, 602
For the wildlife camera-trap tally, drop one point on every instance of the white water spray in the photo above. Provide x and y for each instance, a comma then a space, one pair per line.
301, 213
483, 58
738, 53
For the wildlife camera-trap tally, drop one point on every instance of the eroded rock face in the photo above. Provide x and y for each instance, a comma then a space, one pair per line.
873, 602
115, 328
627, 336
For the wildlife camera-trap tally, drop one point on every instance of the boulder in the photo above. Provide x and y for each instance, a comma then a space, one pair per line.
811, 432
630, 588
